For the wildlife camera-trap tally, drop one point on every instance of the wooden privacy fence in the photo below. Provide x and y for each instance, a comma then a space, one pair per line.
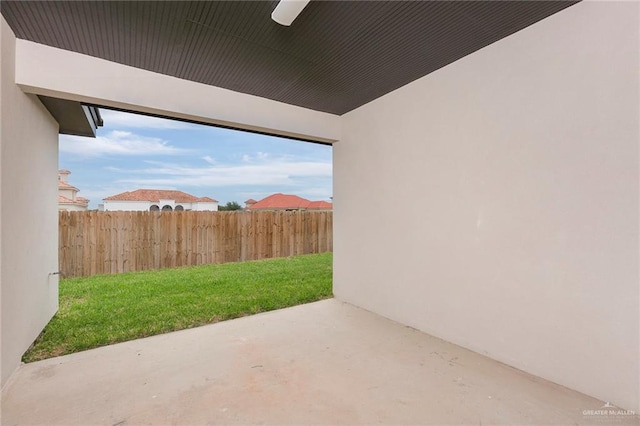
112, 242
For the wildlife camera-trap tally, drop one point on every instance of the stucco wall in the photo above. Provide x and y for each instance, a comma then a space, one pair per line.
69, 193
145, 205
28, 213
509, 181
127, 205
204, 207
71, 208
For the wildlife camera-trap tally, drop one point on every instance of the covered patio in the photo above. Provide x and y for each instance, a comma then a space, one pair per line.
486, 191
322, 363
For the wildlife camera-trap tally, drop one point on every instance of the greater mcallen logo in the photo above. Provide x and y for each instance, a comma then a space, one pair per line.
609, 410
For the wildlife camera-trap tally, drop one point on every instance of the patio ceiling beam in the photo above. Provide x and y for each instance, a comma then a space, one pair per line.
53, 72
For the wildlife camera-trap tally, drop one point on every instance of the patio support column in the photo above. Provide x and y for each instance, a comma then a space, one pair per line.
28, 213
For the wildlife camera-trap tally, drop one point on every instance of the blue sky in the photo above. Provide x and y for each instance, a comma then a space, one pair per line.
134, 151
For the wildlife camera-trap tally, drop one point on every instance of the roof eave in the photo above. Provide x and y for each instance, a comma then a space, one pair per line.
74, 118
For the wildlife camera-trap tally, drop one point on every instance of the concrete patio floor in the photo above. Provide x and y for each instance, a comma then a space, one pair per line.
323, 363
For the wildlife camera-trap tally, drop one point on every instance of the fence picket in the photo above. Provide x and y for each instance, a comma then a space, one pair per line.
112, 242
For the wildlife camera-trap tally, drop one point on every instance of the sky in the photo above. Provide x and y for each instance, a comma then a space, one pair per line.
134, 151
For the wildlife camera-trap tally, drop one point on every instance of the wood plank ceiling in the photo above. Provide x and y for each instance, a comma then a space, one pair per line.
337, 56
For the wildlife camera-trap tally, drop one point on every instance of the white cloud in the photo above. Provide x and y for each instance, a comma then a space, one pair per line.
116, 142
209, 160
256, 170
116, 119
318, 193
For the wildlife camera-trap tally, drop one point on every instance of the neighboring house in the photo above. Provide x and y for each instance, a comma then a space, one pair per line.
286, 202
68, 198
250, 202
158, 200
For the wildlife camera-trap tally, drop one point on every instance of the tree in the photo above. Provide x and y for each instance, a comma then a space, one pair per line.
230, 206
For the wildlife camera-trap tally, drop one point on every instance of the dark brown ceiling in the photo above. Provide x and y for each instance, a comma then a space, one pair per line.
337, 56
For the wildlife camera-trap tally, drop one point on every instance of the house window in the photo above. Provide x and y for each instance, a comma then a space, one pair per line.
179, 208
154, 208
167, 208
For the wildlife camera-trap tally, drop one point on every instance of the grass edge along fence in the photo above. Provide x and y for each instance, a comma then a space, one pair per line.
94, 242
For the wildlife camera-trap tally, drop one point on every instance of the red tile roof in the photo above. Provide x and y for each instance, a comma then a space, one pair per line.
320, 205
250, 201
155, 195
288, 202
207, 200
80, 200
65, 185
280, 201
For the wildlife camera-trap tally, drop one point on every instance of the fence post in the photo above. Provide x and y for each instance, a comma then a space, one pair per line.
110, 242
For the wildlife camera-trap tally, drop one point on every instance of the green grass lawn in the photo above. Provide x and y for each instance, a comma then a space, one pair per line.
107, 309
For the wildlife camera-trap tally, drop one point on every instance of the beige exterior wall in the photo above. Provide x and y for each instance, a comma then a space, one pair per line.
69, 193
28, 213
144, 206
510, 185
71, 207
